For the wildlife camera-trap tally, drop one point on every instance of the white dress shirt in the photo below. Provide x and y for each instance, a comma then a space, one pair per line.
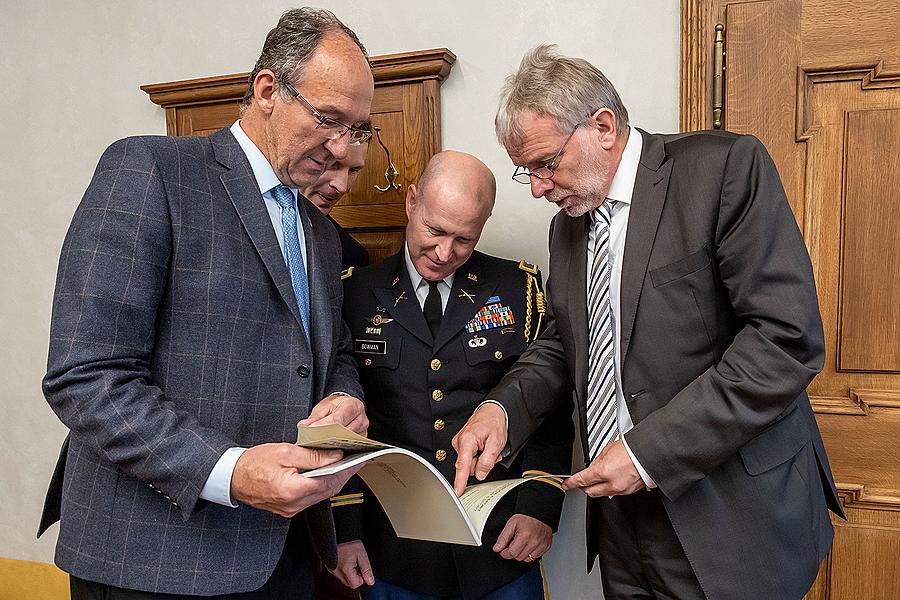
218, 485
420, 285
621, 190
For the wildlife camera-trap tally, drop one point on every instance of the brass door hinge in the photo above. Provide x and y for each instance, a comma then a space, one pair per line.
719, 78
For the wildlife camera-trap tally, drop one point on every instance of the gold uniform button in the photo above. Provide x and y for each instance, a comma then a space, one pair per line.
440, 455
435, 365
437, 395
439, 424
368, 362
498, 355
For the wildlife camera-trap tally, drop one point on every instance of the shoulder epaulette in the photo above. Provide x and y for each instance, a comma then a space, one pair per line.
347, 273
529, 267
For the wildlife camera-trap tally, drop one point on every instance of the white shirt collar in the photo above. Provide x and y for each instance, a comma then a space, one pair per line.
622, 186
414, 276
262, 170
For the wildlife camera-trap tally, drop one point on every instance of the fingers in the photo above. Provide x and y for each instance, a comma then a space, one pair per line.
582, 479
306, 459
365, 568
343, 410
489, 457
353, 565
503, 540
467, 450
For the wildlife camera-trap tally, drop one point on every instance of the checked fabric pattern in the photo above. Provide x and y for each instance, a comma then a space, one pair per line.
601, 398
285, 199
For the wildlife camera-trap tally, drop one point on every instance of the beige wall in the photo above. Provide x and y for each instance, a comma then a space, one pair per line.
70, 73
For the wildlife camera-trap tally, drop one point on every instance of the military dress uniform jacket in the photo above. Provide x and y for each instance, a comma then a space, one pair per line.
419, 393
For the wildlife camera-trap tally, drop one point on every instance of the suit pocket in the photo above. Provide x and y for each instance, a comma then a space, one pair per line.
492, 345
371, 352
691, 263
776, 445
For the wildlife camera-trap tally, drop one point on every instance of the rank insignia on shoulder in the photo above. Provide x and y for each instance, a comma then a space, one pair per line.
528, 267
347, 273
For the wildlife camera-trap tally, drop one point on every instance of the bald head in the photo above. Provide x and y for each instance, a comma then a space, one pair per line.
447, 212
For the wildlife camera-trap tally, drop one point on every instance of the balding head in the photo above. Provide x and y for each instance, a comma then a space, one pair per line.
447, 212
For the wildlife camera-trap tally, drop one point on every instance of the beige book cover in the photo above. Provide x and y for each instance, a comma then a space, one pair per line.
418, 501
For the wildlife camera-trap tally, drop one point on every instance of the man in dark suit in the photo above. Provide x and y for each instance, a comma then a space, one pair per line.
685, 317
329, 189
196, 319
434, 327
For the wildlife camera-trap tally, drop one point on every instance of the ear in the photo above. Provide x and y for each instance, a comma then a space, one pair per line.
265, 87
603, 122
411, 200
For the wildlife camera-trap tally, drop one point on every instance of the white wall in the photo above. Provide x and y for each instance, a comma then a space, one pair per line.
71, 72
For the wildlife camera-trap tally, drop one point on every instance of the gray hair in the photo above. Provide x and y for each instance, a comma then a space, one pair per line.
548, 84
292, 42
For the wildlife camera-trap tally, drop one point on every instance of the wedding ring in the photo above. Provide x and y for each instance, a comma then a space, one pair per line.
530, 557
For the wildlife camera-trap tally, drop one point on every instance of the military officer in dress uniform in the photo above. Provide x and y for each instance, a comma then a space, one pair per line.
434, 328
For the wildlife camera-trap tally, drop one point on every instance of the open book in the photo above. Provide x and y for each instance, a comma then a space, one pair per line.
416, 498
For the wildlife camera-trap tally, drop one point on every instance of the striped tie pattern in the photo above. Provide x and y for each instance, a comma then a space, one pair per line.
602, 424
285, 199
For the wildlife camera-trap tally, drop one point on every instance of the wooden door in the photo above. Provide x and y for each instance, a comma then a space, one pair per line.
818, 81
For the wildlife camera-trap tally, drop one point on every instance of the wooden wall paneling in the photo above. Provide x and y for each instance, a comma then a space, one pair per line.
870, 310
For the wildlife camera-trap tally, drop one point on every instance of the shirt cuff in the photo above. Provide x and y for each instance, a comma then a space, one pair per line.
648, 481
505, 452
218, 485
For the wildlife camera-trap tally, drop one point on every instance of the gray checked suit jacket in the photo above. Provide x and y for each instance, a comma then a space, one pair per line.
176, 335
720, 335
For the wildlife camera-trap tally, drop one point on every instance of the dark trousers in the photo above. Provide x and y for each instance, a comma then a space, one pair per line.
640, 555
292, 578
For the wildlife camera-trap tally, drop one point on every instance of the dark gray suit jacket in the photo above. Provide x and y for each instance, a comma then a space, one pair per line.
176, 335
720, 335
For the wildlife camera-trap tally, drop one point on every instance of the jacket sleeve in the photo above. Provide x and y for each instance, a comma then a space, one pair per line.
112, 272
537, 384
347, 507
765, 268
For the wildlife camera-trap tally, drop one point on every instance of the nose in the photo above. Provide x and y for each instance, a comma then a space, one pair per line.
339, 146
539, 187
341, 182
443, 250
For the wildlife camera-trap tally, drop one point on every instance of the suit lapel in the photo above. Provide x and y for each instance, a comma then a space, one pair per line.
460, 308
400, 302
647, 202
320, 315
576, 230
243, 191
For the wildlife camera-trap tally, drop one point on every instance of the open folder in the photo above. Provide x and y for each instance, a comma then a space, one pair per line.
416, 498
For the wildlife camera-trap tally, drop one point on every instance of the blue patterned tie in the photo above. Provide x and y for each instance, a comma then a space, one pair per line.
601, 393
285, 199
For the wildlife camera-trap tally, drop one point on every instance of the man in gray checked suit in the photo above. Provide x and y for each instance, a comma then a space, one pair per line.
196, 320
685, 319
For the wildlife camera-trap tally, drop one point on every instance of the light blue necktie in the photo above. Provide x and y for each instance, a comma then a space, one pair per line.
285, 199
603, 426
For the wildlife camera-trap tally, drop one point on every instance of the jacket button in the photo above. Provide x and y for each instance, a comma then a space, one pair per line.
368, 362
303, 371
498, 355
440, 455
435, 365
439, 424
437, 395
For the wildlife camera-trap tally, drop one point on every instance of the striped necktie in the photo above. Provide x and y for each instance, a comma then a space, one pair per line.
285, 199
602, 424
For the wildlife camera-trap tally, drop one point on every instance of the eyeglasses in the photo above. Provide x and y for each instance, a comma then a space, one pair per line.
332, 127
524, 174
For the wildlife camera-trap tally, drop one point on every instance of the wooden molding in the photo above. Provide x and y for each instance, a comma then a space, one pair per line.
857, 402
871, 77
388, 68
857, 495
696, 64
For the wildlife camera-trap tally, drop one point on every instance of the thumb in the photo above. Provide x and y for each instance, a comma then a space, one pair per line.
305, 459
365, 568
506, 536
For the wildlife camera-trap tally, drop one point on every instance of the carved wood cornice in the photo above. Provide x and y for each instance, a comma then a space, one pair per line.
857, 402
389, 68
856, 495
